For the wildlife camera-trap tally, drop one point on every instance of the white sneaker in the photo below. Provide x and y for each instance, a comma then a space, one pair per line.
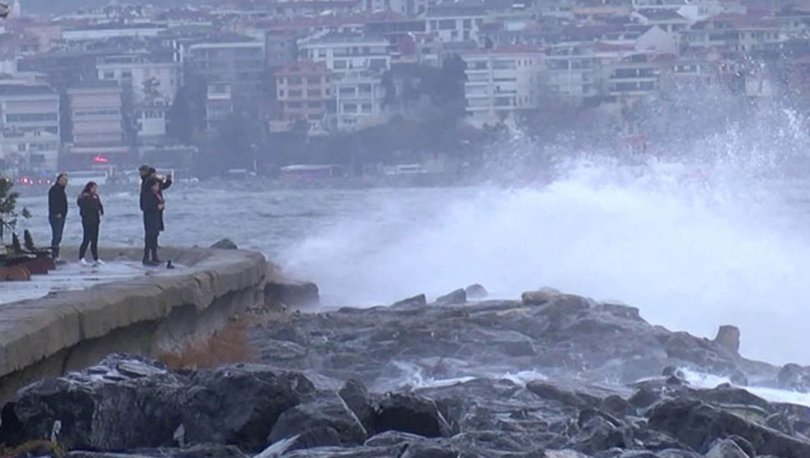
83, 262
99, 262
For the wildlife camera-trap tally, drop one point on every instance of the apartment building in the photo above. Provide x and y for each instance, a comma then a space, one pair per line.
359, 97
348, 53
239, 64
29, 127
142, 72
97, 122
304, 91
455, 22
502, 82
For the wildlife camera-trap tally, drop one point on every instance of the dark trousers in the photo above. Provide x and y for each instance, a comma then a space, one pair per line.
150, 246
57, 227
90, 237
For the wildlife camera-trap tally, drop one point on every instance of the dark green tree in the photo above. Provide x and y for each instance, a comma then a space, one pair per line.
8, 206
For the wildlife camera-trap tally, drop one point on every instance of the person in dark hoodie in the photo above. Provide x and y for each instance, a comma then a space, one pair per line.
57, 213
147, 173
91, 210
152, 205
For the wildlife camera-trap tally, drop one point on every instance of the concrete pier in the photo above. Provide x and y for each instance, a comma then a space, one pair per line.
151, 312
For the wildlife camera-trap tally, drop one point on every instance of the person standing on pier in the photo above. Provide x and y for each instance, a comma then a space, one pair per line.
152, 204
91, 210
57, 213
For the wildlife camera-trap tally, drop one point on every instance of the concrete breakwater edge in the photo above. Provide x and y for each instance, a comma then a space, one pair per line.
146, 315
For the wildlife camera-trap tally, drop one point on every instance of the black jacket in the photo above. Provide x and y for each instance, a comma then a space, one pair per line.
90, 208
57, 201
152, 213
145, 189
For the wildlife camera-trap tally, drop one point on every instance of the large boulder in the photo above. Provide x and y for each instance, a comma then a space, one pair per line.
476, 291
225, 244
126, 403
420, 300
312, 438
328, 411
122, 403
456, 297
411, 414
357, 398
291, 293
239, 404
726, 448
698, 425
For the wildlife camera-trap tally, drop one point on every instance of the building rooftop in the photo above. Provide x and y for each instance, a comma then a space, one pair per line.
661, 15
457, 9
346, 38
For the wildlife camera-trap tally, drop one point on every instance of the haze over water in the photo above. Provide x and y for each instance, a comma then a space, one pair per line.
714, 231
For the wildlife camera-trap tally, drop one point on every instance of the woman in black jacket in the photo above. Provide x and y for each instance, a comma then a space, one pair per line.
91, 210
152, 204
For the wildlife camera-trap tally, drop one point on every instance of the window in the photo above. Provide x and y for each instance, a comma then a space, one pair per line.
447, 24
108, 75
504, 65
314, 93
350, 107
347, 91
468, 23
314, 104
365, 88
294, 80
321, 53
281, 93
479, 65
126, 74
378, 64
294, 105
339, 64
313, 80
31, 117
366, 108
295, 93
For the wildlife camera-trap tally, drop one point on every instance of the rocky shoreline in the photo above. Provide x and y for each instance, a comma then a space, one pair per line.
551, 375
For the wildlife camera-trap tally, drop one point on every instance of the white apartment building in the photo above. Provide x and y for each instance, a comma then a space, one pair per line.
452, 23
573, 71
345, 53
359, 97
501, 83
29, 127
134, 70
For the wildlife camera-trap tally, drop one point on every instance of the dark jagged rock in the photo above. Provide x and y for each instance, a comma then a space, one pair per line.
553, 375
357, 398
456, 297
127, 403
728, 338
698, 425
197, 451
311, 438
327, 411
793, 377
291, 293
225, 244
419, 300
238, 404
476, 291
726, 448
411, 414
551, 391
